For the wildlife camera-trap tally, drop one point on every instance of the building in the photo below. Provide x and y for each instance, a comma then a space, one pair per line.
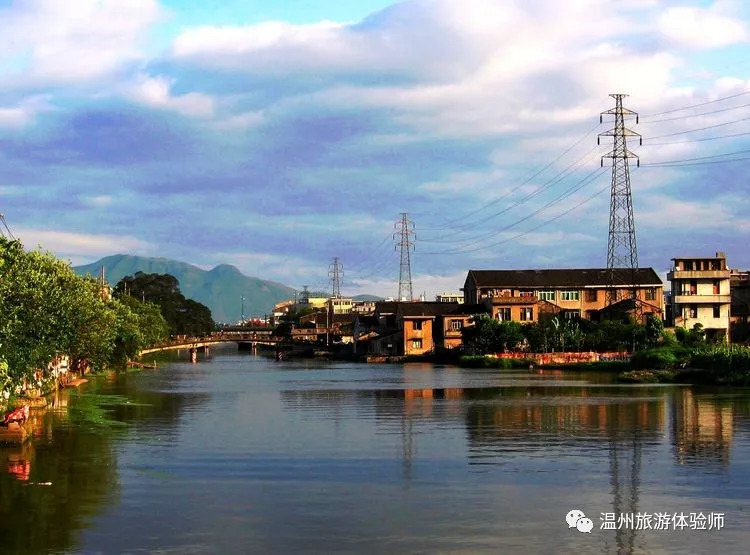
739, 318
450, 298
701, 294
340, 305
414, 327
522, 295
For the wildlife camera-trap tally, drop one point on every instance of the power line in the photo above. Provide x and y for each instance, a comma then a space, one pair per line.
698, 129
541, 189
570, 191
690, 141
696, 105
655, 165
698, 115
7, 231
668, 162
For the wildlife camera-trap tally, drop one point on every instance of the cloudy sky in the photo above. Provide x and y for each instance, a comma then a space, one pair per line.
277, 135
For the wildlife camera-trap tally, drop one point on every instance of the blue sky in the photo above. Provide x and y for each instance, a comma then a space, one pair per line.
277, 135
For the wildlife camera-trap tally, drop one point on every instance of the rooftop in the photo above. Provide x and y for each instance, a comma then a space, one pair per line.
570, 277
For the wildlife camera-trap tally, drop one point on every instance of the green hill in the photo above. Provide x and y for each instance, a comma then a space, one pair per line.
220, 289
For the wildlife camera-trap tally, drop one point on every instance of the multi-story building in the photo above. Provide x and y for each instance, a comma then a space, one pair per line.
521, 295
739, 318
701, 294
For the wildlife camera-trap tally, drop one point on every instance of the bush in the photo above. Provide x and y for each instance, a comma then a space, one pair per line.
729, 365
662, 358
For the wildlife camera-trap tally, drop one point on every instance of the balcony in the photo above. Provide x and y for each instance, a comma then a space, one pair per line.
702, 299
697, 274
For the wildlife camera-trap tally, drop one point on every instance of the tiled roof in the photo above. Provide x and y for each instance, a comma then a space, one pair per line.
415, 308
560, 277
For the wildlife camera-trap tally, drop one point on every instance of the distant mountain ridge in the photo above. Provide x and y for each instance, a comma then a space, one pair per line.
220, 288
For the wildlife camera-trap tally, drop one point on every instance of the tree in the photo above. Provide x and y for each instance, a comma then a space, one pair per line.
183, 316
654, 330
491, 336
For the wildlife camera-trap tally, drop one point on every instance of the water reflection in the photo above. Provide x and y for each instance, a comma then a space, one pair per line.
702, 429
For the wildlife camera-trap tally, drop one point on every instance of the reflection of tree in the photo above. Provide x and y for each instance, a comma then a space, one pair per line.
701, 428
78, 458
43, 519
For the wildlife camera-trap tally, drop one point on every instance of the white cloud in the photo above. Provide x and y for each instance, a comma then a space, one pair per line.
81, 247
62, 41
155, 92
701, 27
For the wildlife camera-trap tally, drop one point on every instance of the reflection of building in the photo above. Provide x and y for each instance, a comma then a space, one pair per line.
572, 292
702, 429
701, 294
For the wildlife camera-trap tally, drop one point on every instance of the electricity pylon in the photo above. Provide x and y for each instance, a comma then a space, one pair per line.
404, 232
622, 253
336, 276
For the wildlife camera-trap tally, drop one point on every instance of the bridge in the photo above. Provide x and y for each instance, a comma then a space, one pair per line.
251, 337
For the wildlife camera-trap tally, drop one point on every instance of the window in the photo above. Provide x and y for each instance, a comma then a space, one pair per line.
592, 295
569, 295
571, 314
546, 295
417, 325
527, 314
416, 343
717, 311
690, 312
526, 293
717, 286
503, 314
456, 325
651, 294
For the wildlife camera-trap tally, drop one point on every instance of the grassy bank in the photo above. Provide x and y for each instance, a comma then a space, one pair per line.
706, 364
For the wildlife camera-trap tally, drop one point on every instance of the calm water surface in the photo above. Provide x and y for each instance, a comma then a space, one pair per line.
240, 454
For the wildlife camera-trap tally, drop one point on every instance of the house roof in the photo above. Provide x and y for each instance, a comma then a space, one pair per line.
415, 308
572, 277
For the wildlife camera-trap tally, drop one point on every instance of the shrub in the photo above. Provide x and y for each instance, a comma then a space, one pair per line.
660, 358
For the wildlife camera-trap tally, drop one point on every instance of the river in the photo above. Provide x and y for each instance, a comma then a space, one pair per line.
241, 454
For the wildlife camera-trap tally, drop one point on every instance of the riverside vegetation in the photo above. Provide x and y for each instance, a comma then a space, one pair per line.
659, 355
47, 311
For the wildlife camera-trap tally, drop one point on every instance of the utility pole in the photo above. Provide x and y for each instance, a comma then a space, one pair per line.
622, 253
242, 311
404, 232
336, 275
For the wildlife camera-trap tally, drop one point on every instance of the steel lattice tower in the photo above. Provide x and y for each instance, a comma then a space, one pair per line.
336, 276
622, 253
405, 234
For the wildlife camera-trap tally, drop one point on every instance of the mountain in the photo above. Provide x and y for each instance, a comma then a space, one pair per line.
220, 289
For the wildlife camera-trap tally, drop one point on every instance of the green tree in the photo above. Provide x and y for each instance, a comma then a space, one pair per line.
654, 330
183, 316
491, 336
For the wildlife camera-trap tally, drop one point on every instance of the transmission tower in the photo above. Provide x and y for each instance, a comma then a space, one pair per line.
336, 276
622, 253
406, 236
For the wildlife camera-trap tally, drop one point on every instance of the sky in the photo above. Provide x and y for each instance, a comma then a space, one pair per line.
275, 136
